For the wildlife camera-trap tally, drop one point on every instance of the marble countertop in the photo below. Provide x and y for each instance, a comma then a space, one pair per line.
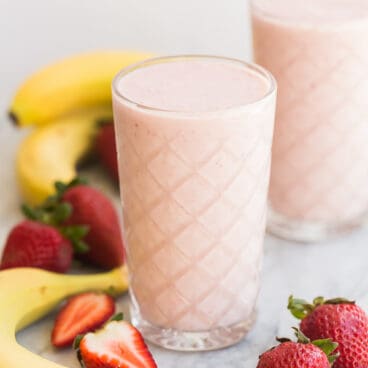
334, 268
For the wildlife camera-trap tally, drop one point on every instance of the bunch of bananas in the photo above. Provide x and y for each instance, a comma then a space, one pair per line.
63, 101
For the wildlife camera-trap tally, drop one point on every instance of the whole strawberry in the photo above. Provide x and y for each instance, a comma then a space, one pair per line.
106, 149
300, 354
93, 209
87, 218
31, 244
339, 319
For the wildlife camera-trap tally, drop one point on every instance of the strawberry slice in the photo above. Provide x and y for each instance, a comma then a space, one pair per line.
81, 314
118, 344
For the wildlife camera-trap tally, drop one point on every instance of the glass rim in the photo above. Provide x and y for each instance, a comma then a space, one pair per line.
259, 70
257, 10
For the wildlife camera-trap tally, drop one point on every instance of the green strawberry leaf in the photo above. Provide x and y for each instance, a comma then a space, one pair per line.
38, 214
332, 358
31, 213
53, 211
299, 308
61, 187
118, 317
339, 301
80, 247
62, 212
75, 232
319, 300
328, 347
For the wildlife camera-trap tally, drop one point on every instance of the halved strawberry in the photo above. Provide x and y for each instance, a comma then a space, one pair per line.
81, 314
118, 344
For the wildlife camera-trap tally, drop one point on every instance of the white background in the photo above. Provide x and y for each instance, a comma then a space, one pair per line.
35, 32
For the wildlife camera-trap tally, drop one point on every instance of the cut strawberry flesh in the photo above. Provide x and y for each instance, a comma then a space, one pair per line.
119, 344
82, 313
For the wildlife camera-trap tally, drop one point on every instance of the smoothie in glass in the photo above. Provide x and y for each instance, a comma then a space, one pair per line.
317, 51
194, 141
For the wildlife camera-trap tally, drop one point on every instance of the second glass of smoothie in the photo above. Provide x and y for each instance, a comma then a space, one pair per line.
318, 52
194, 140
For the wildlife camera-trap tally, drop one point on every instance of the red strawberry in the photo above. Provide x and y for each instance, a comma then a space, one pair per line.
31, 244
106, 149
87, 218
300, 354
92, 208
118, 344
339, 319
81, 314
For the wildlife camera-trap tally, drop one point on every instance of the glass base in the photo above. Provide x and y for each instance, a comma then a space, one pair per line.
172, 339
305, 231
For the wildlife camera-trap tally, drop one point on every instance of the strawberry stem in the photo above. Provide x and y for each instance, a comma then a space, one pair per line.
300, 336
299, 308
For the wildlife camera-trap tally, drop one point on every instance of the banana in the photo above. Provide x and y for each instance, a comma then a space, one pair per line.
77, 82
28, 294
52, 151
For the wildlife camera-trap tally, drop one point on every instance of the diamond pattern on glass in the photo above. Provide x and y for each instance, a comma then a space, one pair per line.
182, 229
320, 122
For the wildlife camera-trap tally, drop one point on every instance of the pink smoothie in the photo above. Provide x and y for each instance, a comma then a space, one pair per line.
194, 157
318, 52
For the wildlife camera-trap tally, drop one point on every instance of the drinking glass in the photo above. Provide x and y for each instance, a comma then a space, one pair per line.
194, 195
319, 176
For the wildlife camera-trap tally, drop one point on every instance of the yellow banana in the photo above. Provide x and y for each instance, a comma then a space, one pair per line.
77, 82
28, 294
51, 152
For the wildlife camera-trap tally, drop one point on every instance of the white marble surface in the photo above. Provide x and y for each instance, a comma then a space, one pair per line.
335, 268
